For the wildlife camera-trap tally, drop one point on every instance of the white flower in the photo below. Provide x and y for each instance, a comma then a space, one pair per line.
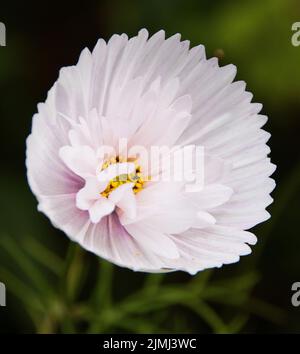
153, 92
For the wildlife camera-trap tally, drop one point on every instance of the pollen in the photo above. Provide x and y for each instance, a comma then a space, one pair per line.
136, 177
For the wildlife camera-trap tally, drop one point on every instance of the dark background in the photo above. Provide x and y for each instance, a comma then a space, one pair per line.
53, 285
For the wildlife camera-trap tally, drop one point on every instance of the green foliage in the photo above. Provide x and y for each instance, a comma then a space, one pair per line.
67, 304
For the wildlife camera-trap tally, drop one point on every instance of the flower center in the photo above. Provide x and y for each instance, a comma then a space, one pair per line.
136, 177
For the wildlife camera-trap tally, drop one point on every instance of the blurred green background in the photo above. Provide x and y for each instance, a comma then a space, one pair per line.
55, 287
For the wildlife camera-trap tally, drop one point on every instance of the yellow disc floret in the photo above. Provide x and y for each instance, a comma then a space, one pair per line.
136, 177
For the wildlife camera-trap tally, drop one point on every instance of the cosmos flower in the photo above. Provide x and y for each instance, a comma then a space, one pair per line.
151, 92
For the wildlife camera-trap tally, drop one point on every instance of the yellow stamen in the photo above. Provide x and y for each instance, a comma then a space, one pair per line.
135, 177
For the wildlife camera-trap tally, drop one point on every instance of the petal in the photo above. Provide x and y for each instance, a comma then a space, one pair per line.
153, 240
124, 198
212, 195
86, 197
100, 208
110, 240
81, 160
204, 219
62, 211
211, 247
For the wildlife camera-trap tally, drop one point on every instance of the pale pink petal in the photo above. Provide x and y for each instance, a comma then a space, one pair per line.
211, 196
110, 240
100, 208
89, 193
152, 239
124, 198
81, 160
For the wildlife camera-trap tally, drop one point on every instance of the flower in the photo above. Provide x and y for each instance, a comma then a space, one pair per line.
151, 92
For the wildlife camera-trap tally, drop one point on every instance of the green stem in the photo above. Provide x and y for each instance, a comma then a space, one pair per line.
102, 298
